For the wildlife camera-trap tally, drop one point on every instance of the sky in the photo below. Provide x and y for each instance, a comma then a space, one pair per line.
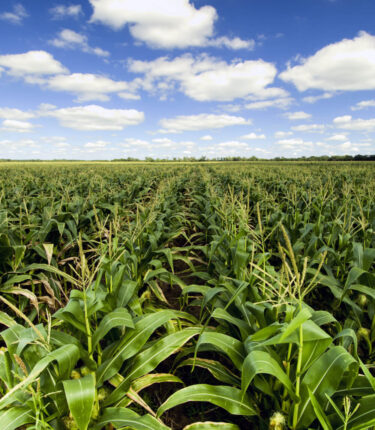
106, 79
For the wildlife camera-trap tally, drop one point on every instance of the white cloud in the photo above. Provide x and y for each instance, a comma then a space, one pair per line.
313, 99
96, 146
32, 63
253, 136
346, 145
13, 125
309, 127
294, 143
269, 93
297, 115
164, 24
200, 122
62, 11
16, 114
5, 142
207, 137
93, 117
43, 107
348, 65
16, 16
338, 137
233, 108
87, 86
234, 145
282, 134
364, 104
129, 96
131, 141
206, 78
348, 123
69, 39
227, 82
58, 140
281, 103
235, 43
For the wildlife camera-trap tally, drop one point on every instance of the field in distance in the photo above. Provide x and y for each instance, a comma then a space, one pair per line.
188, 296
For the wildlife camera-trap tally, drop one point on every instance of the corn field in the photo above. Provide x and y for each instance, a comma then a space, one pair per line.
201, 296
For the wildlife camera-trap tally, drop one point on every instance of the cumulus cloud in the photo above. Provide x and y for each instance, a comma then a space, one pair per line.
16, 126
313, 99
57, 140
98, 145
348, 123
229, 81
234, 145
282, 134
32, 63
207, 137
62, 11
253, 136
200, 122
15, 114
235, 43
348, 65
17, 15
309, 127
139, 147
164, 24
297, 115
280, 103
129, 96
69, 39
206, 78
294, 143
95, 118
338, 137
87, 86
363, 105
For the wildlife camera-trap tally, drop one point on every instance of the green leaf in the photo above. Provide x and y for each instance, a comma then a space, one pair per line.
16, 279
118, 318
218, 370
365, 416
125, 293
322, 417
132, 343
149, 359
19, 251
50, 269
354, 274
207, 425
301, 317
147, 380
364, 290
261, 362
122, 417
228, 344
66, 357
6, 320
228, 398
323, 317
323, 377
80, 395
220, 313
14, 418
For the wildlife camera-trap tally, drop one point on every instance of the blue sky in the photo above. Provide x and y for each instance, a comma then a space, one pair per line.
104, 79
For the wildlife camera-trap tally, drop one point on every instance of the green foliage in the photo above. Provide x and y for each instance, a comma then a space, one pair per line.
244, 296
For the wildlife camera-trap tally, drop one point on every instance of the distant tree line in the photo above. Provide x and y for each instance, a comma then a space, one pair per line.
358, 157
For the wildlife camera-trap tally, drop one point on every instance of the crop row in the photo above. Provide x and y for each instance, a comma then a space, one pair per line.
187, 297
